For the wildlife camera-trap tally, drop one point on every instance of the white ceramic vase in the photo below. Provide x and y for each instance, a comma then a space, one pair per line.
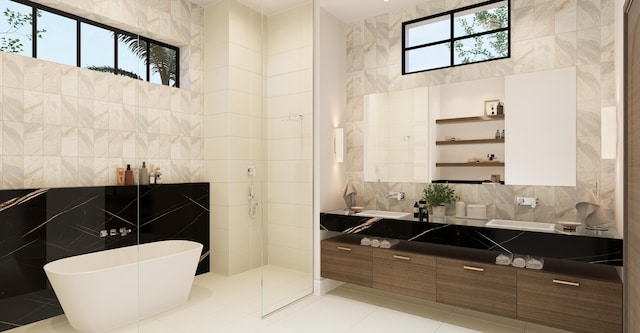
438, 211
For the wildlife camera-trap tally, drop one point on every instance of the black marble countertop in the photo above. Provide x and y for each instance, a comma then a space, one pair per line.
582, 246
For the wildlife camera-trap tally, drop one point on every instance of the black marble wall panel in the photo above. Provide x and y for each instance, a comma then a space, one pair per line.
41, 225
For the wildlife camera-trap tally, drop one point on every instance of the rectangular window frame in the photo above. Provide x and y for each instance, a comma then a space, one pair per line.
452, 39
36, 6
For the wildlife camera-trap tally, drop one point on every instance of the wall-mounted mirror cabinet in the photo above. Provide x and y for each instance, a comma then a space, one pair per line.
456, 132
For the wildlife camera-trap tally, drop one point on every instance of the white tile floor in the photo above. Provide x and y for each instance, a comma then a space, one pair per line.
232, 304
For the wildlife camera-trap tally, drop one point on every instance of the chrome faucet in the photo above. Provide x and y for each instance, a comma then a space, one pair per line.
395, 195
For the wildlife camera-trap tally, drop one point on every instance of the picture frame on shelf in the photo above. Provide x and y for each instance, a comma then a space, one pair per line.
493, 107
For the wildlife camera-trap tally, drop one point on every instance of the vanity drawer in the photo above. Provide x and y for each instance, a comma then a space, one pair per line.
405, 273
478, 286
569, 302
346, 262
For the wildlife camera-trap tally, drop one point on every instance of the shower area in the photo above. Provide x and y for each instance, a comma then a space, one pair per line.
233, 143
258, 147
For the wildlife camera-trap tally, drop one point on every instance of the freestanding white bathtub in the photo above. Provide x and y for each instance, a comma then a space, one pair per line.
103, 290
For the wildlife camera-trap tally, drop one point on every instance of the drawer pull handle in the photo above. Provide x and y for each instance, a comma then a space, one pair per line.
342, 248
566, 283
401, 257
471, 268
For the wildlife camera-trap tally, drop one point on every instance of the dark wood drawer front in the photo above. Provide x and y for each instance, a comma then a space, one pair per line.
405, 273
571, 303
346, 262
483, 287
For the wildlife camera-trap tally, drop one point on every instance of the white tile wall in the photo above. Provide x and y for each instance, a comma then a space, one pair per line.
290, 123
545, 35
67, 126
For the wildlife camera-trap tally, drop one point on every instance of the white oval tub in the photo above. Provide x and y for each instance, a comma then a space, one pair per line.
103, 290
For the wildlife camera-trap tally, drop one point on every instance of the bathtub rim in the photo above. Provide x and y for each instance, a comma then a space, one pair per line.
52, 267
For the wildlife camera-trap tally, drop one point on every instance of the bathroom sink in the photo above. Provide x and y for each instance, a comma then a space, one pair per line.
521, 225
383, 214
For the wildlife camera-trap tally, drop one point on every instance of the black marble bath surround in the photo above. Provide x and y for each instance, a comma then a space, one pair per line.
593, 250
38, 226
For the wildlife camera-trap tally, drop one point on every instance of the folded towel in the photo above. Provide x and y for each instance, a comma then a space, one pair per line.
387, 244
365, 241
519, 261
375, 242
535, 263
504, 259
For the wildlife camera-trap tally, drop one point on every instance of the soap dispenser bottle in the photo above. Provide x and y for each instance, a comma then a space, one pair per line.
128, 175
416, 210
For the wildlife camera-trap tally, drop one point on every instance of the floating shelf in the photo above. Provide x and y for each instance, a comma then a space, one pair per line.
469, 119
465, 142
466, 164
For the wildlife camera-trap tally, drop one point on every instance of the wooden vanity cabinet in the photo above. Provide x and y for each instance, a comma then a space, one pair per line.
569, 302
346, 262
483, 287
405, 273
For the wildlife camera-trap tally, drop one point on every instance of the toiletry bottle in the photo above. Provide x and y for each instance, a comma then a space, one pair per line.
416, 210
120, 176
143, 177
497, 134
503, 134
158, 176
152, 177
128, 175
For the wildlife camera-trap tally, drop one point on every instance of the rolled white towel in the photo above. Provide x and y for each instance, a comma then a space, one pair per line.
385, 244
504, 259
535, 263
365, 241
375, 242
519, 261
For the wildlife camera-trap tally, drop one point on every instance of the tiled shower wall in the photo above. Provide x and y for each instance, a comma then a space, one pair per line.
233, 118
545, 35
290, 138
68, 126
272, 133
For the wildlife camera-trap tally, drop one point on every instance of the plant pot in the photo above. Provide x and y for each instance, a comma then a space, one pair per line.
438, 211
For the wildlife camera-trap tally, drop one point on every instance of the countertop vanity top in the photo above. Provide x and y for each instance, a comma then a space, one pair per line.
582, 245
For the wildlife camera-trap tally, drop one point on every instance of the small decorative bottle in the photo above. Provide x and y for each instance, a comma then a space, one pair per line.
497, 134
158, 176
502, 134
416, 210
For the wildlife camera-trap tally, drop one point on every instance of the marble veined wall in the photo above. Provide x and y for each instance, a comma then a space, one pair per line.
69, 126
38, 226
545, 35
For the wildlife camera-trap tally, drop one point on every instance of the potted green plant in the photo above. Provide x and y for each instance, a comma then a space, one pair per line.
437, 196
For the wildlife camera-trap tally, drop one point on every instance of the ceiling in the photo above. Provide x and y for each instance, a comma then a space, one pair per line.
346, 10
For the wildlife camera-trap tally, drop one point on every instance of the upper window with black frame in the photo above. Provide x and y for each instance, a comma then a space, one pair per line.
68, 39
463, 36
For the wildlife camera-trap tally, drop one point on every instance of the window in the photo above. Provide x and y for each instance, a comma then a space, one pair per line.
463, 36
76, 41
59, 39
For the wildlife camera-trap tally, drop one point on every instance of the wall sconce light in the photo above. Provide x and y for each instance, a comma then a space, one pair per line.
338, 144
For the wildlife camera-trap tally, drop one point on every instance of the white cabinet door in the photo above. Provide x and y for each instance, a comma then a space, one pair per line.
540, 122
